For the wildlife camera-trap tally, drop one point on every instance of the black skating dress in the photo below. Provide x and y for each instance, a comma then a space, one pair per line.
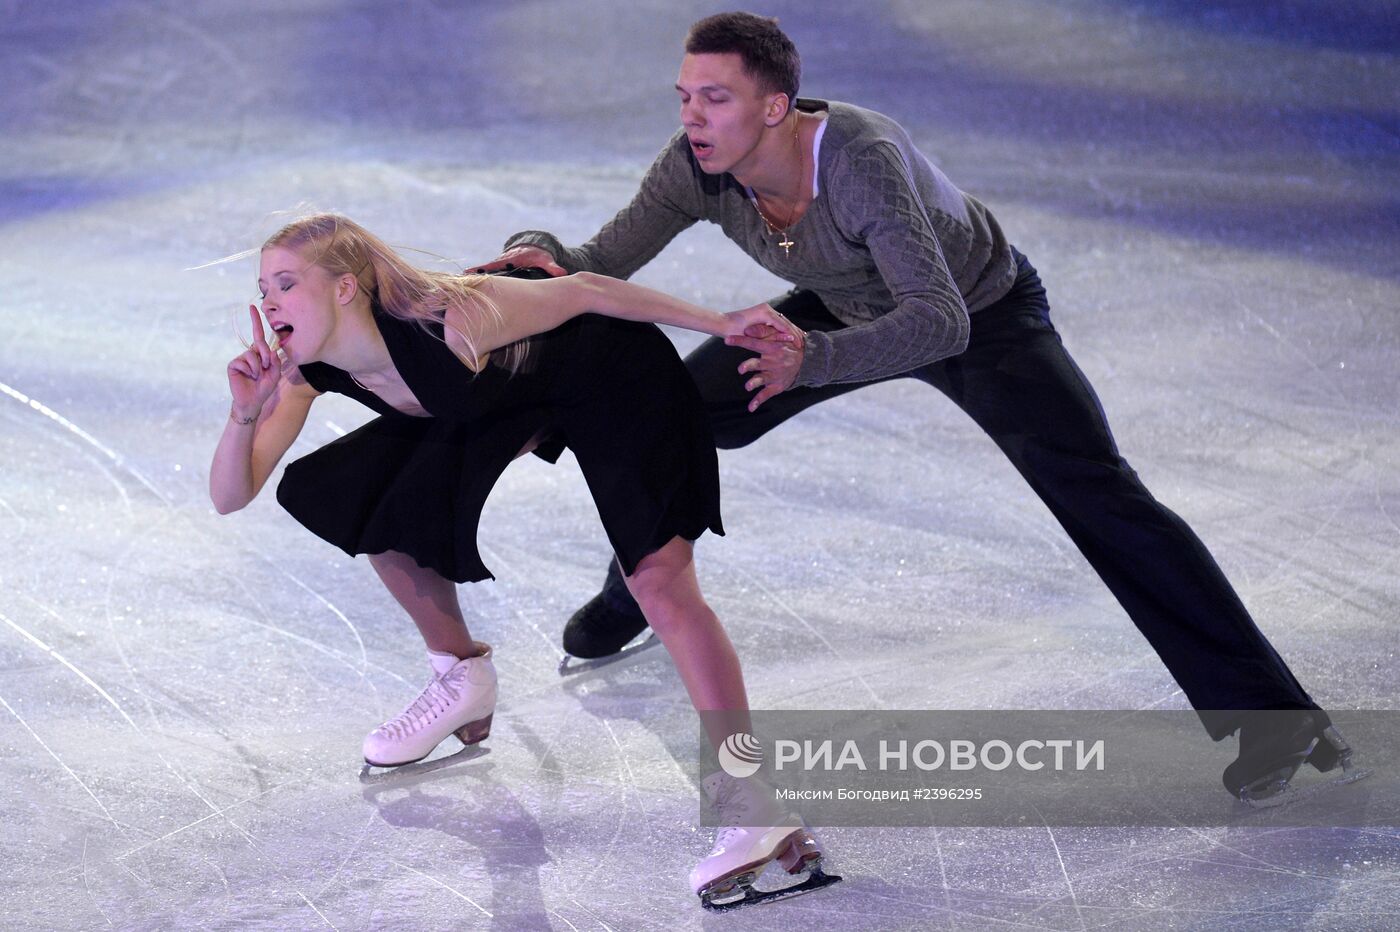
613, 391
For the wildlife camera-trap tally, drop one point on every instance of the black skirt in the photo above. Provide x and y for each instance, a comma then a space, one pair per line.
614, 392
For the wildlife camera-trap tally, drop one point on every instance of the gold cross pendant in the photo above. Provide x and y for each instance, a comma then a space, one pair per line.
787, 244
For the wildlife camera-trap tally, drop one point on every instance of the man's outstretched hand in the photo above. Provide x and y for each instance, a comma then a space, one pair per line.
522, 257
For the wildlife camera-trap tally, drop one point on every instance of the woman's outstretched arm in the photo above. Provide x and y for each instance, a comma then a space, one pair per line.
268, 411
530, 306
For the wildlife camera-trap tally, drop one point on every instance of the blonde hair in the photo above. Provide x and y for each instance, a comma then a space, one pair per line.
341, 246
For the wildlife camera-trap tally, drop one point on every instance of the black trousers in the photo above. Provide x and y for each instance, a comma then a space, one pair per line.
1019, 384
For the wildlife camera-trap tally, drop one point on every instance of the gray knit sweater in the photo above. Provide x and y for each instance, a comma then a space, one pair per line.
893, 249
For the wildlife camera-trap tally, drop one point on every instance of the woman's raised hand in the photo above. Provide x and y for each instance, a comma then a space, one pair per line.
254, 373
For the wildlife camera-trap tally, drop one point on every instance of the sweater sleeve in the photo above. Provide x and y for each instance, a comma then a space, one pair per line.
877, 205
666, 204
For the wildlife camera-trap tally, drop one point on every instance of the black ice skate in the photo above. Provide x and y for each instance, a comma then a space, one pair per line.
599, 634
1274, 745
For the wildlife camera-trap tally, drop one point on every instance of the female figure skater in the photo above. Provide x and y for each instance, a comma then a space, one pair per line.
469, 372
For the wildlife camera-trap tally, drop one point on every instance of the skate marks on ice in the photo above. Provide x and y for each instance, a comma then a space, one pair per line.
200, 756
1312, 535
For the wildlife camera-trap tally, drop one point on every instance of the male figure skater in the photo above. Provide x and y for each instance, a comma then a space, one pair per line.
900, 274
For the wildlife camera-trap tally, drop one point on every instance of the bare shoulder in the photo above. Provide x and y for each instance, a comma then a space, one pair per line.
512, 309
505, 292
505, 300
548, 300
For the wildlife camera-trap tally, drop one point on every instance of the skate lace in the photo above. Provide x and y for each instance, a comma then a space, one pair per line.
440, 692
732, 807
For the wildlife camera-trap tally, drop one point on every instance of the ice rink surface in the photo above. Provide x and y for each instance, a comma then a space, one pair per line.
1211, 192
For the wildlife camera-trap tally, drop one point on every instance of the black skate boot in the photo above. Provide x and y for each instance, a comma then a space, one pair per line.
608, 622
1275, 744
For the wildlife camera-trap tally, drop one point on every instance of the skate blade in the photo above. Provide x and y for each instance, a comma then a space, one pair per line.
371, 774
1290, 794
788, 851
816, 880
1271, 784
572, 666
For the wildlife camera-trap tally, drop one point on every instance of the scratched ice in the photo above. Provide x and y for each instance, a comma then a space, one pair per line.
1208, 189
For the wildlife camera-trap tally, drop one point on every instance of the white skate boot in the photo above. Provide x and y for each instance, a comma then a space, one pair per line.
460, 699
756, 832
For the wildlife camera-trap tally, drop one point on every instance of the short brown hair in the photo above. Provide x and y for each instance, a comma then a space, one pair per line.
768, 54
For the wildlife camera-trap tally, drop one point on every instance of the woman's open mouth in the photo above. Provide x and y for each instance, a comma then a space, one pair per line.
280, 335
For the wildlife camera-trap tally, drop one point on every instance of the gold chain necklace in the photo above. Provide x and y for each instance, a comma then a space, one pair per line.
786, 242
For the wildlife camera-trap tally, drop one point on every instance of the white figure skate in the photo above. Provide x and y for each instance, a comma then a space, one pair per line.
756, 832
460, 700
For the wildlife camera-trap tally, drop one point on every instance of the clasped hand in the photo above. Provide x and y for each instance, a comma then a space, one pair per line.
777, 341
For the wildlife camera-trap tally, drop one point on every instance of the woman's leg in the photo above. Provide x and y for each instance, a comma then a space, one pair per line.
607, 622
430, 599
460, 699
756, 828
665, 587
